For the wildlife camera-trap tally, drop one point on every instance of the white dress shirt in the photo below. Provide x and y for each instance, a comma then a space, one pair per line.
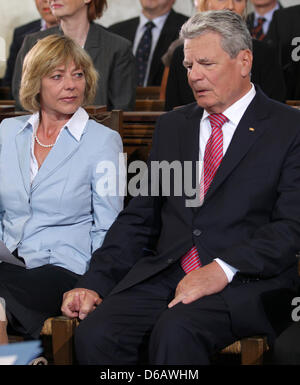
75, 125
234, 114
156, 31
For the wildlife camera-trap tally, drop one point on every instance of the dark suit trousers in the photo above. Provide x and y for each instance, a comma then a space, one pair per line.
135, 326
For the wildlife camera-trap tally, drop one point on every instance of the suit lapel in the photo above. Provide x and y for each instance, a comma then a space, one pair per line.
189, 135
168, 34
93, 42
23, 145
131, 29
189, 150
250, 128
63, 150
250, 21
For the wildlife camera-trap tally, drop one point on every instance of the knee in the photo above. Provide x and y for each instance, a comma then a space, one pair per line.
168, 327
173, 329
174, 340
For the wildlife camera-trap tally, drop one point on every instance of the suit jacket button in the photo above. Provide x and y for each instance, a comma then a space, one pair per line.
197, 232
170, 260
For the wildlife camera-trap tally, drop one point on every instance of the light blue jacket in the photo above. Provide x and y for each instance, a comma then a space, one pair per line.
60, 218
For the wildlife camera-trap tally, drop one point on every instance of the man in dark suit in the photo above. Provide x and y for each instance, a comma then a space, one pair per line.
191, 267
259, 21
47, 21
284, 32
166, 28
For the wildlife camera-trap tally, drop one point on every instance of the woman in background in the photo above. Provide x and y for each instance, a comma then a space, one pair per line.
111, 54
52, 172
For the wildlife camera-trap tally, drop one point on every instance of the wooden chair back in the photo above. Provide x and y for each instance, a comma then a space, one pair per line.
9, 102
149, 105
164, 82
293, 103
112, 119
138, 127
12, 114
95, 109
150, 92
5, 92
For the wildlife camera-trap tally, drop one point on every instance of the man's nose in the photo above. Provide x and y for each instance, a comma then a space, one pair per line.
195, 73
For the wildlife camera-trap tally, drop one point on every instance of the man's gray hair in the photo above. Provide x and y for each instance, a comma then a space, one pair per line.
229, 25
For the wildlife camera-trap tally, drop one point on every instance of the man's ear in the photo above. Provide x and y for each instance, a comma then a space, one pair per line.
245, 59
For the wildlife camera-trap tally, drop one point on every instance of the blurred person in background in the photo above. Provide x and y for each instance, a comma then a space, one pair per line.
47, 20
259, 21
151, 35
111, 54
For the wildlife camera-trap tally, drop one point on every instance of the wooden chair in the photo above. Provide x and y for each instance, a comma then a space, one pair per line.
137, 131
5, 92
149, 105
58, 333
250, 349
61, 331
6, 108
9, 102
154, 92
293, 103
149, 92
12, 114
95, 109
112, 119
164, 82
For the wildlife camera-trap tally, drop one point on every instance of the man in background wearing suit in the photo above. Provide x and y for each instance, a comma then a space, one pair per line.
284, 32
259, 21
156, 28
187, 273
47, 21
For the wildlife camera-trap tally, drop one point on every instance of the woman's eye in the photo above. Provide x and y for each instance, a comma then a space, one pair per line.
56, 77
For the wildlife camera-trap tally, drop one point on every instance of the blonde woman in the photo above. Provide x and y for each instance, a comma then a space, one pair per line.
52, 214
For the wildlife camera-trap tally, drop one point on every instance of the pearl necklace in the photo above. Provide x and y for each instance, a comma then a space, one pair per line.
41, 144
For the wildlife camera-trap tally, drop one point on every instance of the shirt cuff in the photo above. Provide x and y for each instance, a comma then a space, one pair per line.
228, 269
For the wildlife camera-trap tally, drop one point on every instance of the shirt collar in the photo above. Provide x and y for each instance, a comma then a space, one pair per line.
235, 112
158, 21
75, 125
43, 25
268, 16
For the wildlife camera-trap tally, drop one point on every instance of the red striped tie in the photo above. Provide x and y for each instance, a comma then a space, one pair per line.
257, 32
212, 158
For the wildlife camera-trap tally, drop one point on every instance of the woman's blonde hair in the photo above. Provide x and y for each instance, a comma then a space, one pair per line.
46, 55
